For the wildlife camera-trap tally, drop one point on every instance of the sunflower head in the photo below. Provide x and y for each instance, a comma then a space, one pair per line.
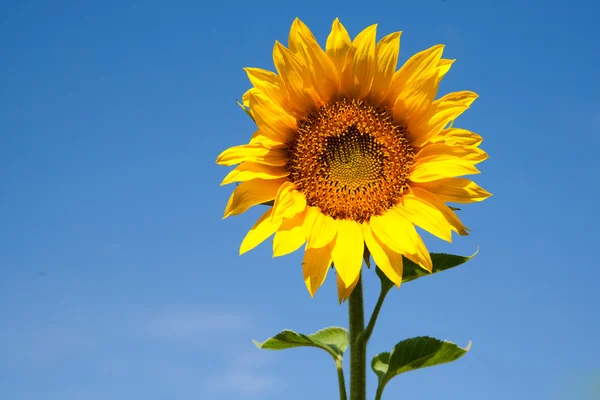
353, 152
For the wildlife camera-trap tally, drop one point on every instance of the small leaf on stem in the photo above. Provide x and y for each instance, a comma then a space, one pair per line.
415, 353
334, 340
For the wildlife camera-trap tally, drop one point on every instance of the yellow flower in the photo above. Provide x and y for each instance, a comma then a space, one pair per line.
353, 153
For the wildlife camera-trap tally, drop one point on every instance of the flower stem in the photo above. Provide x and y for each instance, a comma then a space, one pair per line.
366, 335
358, 346
379, 393
341, 381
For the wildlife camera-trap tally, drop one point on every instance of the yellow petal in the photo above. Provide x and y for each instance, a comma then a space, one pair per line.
290, 235
295, 79
273, 121
318, 66
386, 259
323, 231
425, 215
348, 251
312, 214
470, 153
422, 63
447, 109
431, 166
253, 153
449, 215
251, 193
248, 170
246, 96
387, 58
437, 149
347, 80
267, 142
267, 82
298, 28
262, 229
456, 190
430, 125
338, 44
288, 201
453, 99
413, 105
392, 228
444, 66
399, 235
316, 265
457, 136
343, 291
325, 78
363, 64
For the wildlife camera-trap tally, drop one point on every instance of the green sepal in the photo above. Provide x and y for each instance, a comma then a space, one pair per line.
386, 283
367, 256
412, 354
441, 262
333, 340
246, 110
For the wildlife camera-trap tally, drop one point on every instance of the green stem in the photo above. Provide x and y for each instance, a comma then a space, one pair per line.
358, 346
341, 381
379, 392
384, 291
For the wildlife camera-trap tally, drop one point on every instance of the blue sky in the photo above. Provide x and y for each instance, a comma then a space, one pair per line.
118, 278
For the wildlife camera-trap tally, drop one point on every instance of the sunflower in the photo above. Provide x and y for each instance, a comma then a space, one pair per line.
352, 154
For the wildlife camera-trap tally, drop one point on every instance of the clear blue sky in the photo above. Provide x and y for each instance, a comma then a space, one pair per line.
119, 280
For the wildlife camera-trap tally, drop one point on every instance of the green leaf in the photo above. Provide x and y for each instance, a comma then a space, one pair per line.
333, 340
441, 262
246, 109
415, 353
380, 364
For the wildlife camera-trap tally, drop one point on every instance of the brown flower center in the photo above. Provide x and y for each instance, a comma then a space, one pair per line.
350, 160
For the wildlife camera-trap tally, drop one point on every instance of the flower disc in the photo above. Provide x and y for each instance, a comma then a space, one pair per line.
350, 160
